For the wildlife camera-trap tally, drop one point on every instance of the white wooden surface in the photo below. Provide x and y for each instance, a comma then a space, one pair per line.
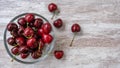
98, 44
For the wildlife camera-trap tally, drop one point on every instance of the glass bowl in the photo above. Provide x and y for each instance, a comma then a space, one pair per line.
29, 60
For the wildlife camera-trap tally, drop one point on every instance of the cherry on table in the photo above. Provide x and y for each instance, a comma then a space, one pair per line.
58, 23
58, 54
75, 28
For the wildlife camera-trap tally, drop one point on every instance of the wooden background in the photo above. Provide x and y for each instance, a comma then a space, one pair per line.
96, 46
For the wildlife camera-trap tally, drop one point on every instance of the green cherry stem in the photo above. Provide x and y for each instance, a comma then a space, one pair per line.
53, 15
72, 39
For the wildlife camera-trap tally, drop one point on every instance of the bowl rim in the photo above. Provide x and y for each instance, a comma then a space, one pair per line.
26, 62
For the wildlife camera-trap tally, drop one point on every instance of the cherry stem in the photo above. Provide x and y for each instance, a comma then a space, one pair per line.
39, 46
53, 16
72, 39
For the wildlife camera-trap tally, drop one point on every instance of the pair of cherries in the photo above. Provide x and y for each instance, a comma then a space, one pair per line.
29, 36
58, 23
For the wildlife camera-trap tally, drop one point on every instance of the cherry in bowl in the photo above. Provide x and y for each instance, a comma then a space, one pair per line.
21, 31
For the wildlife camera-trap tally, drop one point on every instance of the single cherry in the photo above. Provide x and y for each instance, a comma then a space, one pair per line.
12, 27
20, 41
58, 23
28, 32
15, 50
47, 38
23, 49
36, 54
32, 43
11, 41
47, 28
52, 7
58, 54
38, 22
24, 55
75, 28
22, 22
29, 17
40, 32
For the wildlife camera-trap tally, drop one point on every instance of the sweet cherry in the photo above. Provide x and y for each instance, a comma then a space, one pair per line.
11, 41
28, 32
47, 28
38, 22
15, 50
58, 54
36, 54
24, 55
22, 22
32, 43
29, 17
58, 23
75, 28
47, 38
20, 41
23, 49
12, 27
52, 7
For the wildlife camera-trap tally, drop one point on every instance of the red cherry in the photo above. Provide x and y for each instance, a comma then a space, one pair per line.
29, 17
47, 28
15, 50
14, 34
23, 49
36, 54
22, 21
58, 23
58, 54
52, 7
24, 55
75, 28
47, 38
28, 32
12, 27
11, 41
20, 41
40, 32
21, 31
32, 43
38, 22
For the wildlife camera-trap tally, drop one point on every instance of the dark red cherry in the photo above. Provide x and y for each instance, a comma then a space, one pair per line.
40, 32
22, 22
20, 41
15, 50
58, 54
29, 17
12, 27
52, 7
24, 55
36, 54
47, 38
28, 32
75, 28
38, 22
23, 49
58, 23
47, 28
32, 43
11, 41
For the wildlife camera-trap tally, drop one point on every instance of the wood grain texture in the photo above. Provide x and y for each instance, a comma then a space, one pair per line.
96, 46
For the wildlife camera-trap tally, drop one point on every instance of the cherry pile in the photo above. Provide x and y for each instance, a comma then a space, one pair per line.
29, 36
